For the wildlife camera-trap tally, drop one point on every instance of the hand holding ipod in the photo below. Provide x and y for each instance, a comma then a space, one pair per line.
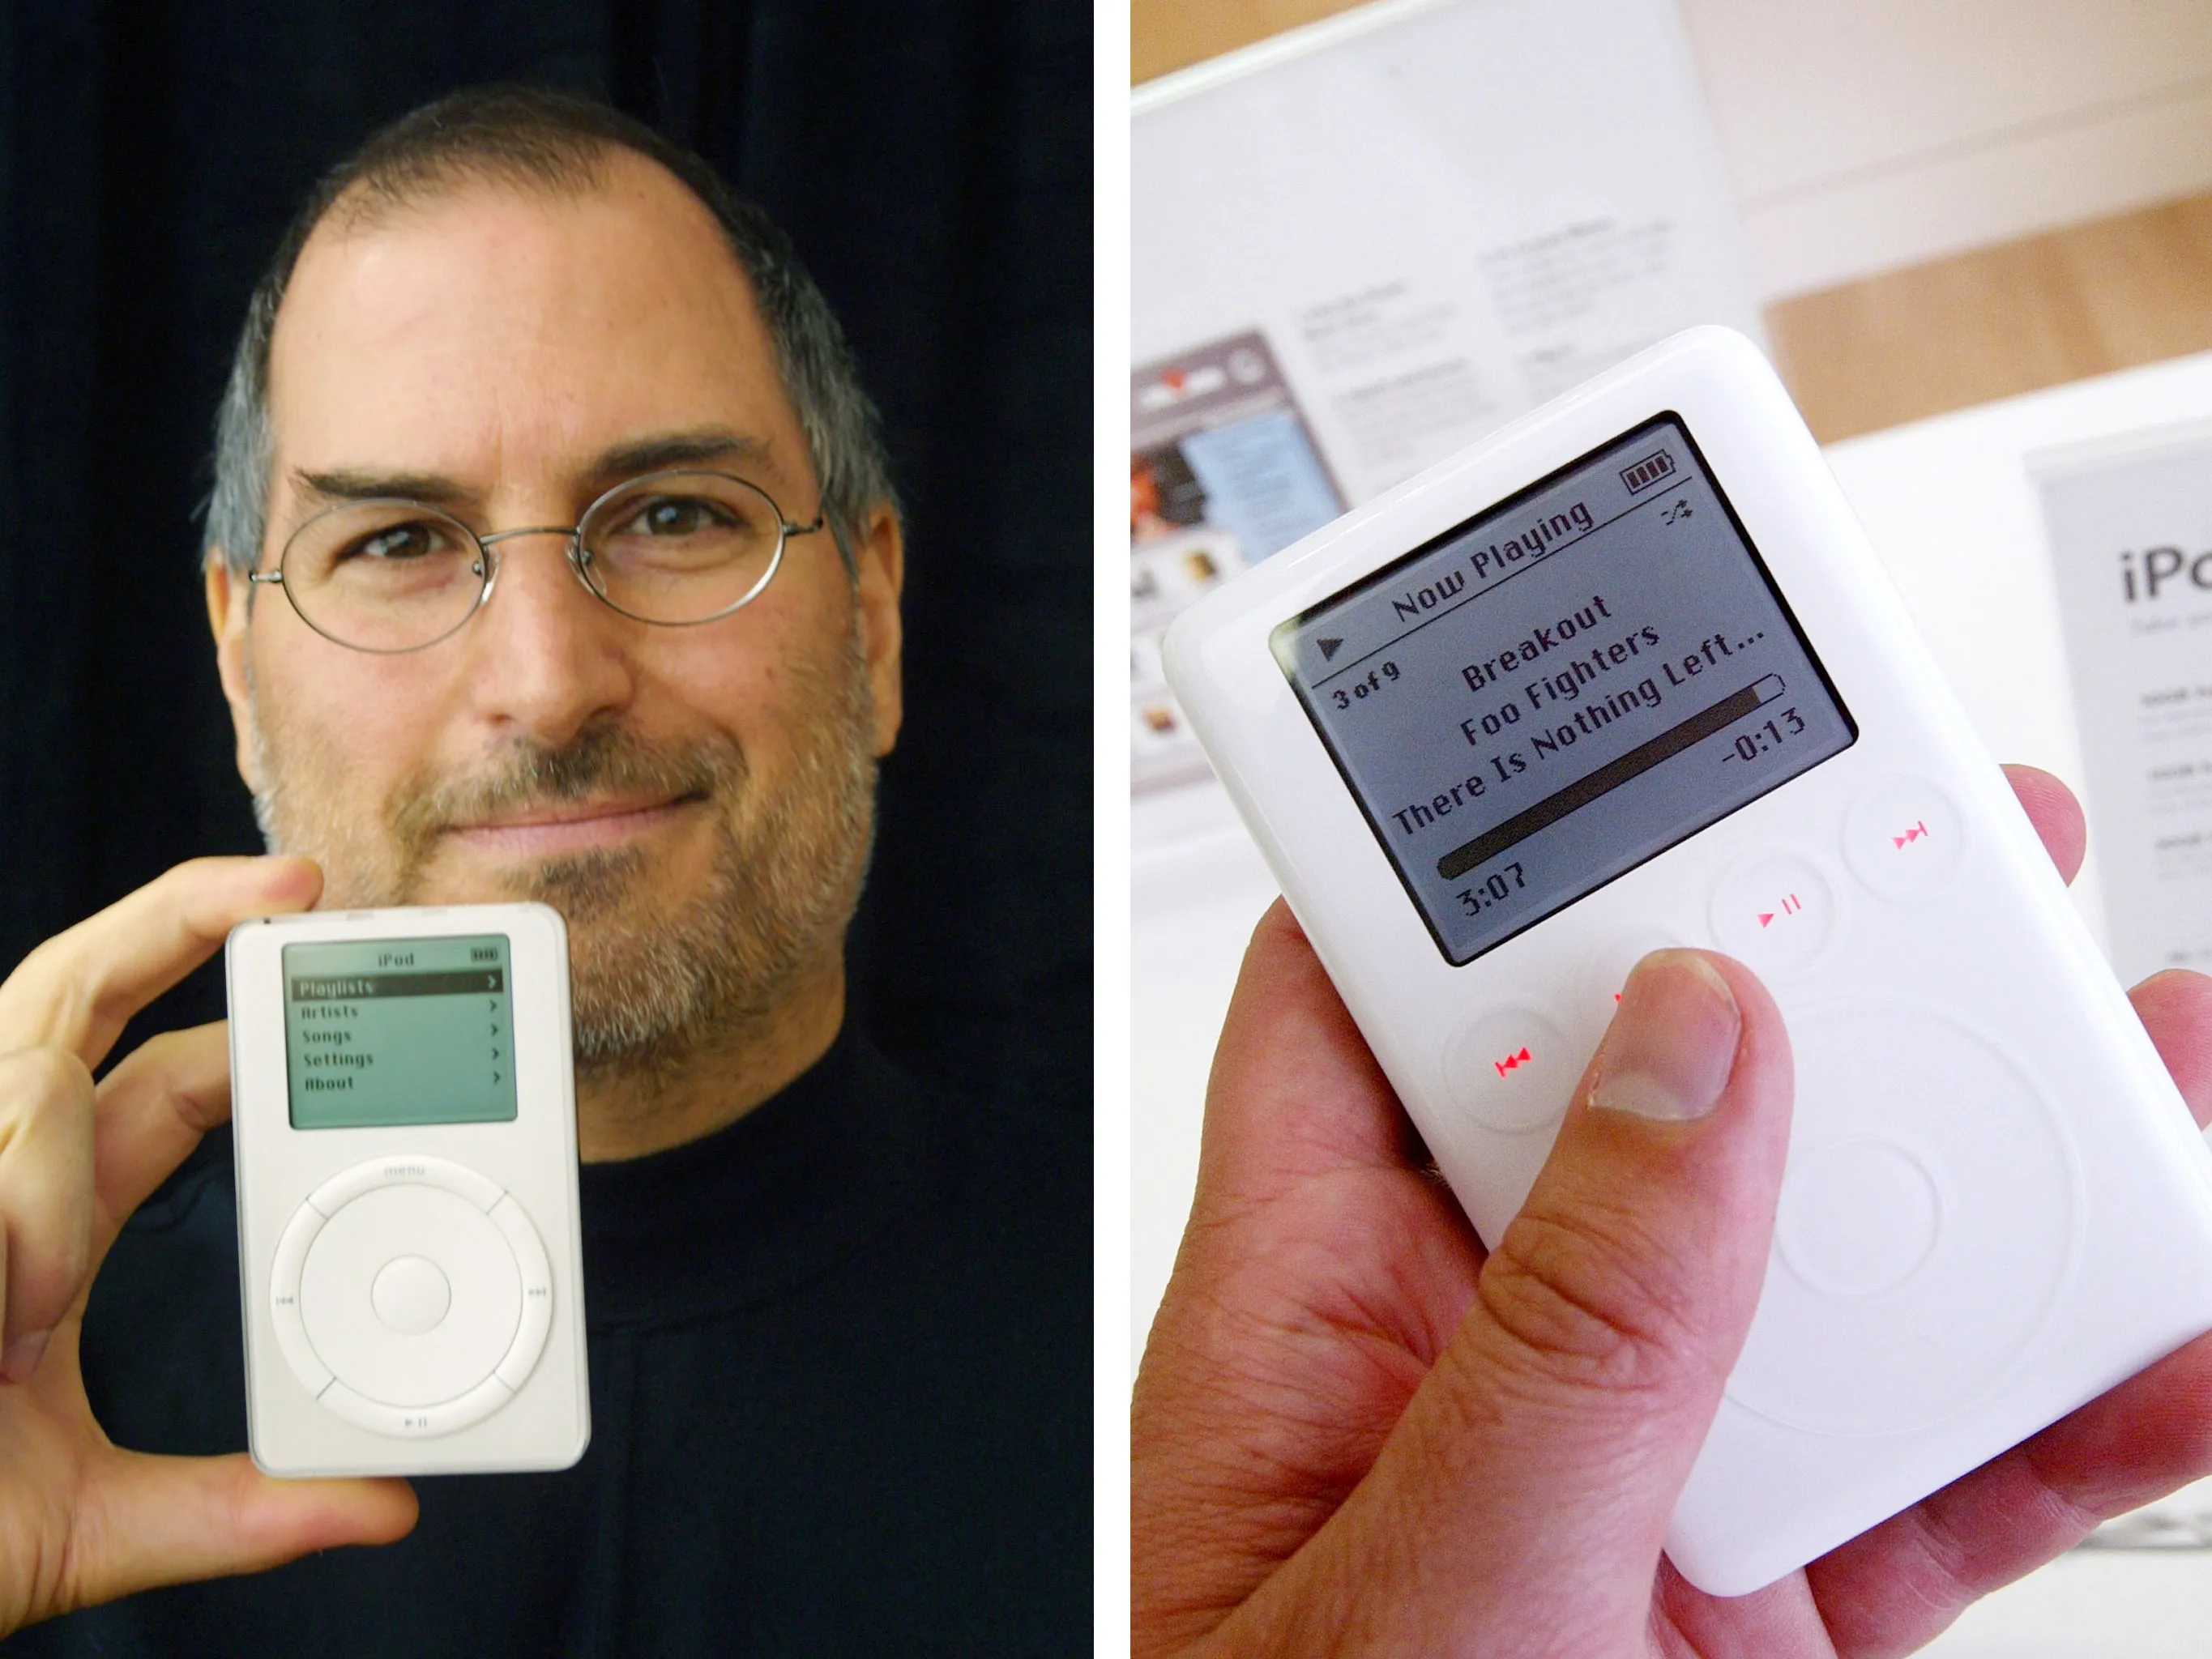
1652, 687
83, 1520
1348, 1422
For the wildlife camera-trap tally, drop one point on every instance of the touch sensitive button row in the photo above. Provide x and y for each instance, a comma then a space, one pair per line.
1510, 1068
412, 1296
1777, 912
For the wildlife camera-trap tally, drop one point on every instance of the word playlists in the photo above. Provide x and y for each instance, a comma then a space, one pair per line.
317, 990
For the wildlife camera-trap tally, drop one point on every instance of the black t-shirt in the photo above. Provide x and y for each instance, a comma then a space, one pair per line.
841, 1404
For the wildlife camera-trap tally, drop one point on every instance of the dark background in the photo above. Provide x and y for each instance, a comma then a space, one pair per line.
932, 162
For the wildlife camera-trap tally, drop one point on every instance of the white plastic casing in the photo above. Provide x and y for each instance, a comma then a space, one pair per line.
1996, 1205
488, 1187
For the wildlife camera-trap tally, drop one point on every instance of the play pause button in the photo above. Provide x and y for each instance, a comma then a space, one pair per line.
1774, 913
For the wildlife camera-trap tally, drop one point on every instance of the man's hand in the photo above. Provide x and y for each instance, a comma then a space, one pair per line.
81, 1521
1353, 1433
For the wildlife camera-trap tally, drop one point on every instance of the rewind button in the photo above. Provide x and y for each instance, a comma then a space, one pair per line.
1511, 1069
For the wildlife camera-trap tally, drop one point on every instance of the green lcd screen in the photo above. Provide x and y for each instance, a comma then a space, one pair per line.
395, 1031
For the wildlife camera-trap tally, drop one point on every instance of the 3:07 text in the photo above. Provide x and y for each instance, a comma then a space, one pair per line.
1492, 890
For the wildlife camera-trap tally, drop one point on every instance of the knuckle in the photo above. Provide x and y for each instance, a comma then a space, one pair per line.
173, 1071
39, 1081
1592, 1300
39, 965
51, 1273
45, 1170
48, 989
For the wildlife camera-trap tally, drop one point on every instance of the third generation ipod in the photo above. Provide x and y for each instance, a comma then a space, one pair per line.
1626, 675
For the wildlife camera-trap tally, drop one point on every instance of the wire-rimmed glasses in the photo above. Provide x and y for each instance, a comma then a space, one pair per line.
676, 548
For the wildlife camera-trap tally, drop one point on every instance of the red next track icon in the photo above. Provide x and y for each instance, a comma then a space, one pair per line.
1910, 835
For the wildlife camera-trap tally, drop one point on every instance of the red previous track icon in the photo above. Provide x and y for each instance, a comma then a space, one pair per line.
1510, 1061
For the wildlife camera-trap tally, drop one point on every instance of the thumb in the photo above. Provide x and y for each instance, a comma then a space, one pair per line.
1522, 1501
144, 1520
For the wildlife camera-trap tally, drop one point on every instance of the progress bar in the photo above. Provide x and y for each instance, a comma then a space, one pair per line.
1610, 776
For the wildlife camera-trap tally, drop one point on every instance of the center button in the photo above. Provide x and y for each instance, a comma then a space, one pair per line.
411, 1295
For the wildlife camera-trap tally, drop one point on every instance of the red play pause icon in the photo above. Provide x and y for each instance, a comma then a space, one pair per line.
1789, 907
1510, 1061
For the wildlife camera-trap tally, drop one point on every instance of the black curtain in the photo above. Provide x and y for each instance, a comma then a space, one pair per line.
932, 162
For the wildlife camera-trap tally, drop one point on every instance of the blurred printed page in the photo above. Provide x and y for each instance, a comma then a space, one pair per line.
1223, 471
1419, 220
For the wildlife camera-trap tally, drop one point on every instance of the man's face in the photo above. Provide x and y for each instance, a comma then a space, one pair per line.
696, 800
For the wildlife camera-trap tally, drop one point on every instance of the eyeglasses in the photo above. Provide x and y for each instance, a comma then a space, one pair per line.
675, 548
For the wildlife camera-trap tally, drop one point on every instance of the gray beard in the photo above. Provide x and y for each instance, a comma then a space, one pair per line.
648, 989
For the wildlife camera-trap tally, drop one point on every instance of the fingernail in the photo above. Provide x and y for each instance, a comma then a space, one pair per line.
1673, 1042
23, 1355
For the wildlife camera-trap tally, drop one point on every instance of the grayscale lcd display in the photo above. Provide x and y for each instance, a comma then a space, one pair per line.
1561, 688
391, 1031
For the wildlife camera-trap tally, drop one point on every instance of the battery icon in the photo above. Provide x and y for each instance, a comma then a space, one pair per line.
1648, 471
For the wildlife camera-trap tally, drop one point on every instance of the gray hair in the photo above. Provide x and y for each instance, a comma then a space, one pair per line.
553, 143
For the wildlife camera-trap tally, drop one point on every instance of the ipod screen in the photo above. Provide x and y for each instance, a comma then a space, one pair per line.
389, 1031
1562, 687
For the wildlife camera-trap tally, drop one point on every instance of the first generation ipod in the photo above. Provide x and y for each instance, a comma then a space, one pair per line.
402, 1099
1626, 674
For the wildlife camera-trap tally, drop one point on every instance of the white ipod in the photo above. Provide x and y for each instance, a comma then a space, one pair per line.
403, 1098
1626, 675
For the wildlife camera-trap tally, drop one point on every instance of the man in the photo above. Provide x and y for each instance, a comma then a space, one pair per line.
1355, 1432
837, 1324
